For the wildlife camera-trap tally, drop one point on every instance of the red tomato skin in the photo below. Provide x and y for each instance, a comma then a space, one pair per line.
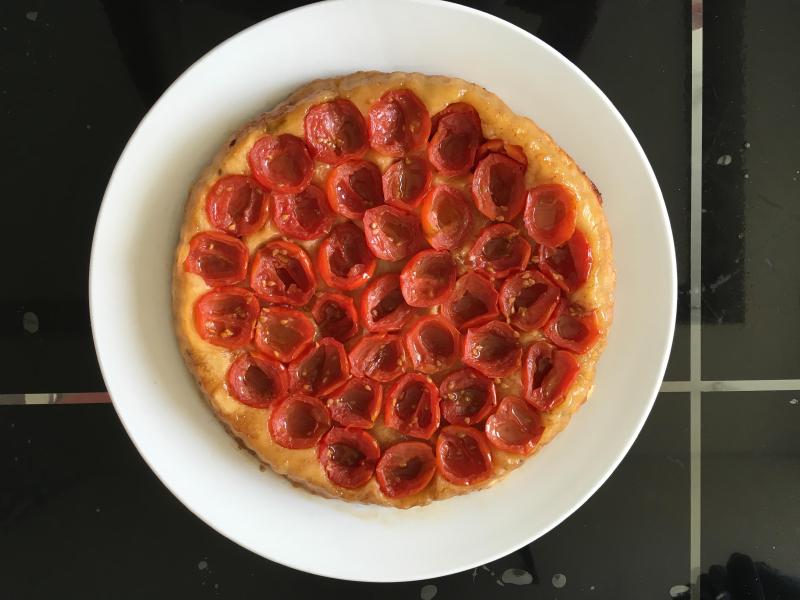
264, 165
567, 320
237, 372
344, 415
364, 351
215, 245
339, 119
546, 203
444, 279
234, 190
576, 259
412, 427
266, 281
561, 370
363, 443
493, 166
449, 436
480, 288
486, 242
392, 138
445, 236
457, 382
295, 320
354, 186
278, 427
421, 357
409, 172
514, 408
246, 314
359, 273
542, 308
475, 345
393, 456
344, 304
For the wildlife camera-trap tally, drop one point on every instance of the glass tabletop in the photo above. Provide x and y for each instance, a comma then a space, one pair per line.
707, 503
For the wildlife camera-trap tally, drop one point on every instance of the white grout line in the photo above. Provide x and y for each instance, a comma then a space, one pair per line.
37, 398
740, 385
695, 331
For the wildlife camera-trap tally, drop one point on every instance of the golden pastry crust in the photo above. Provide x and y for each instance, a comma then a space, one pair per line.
547, 163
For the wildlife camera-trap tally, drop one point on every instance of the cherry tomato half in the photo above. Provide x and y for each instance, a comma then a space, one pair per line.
283, 333
498, 187
281, 163
412, 406
335, 131
383, 307
446, 217
305, 215
237, 204
572, 328
499, 251
320, 370
467, 397
391, 233
405, 469
472, 303
398, 123
463, 456
348, 456
299, 422
515, 427
433, 344
281, 272
226, 316
357, 404
568, 265
344, 260
428, 278
456, 137
512, 151
528, 299
550, 214
405, 182
547, 374
335, 315
256, 380
218, 258
493, 349
354, 186
378, 356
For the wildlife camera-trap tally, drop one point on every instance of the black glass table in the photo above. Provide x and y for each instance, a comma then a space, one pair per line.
707, 502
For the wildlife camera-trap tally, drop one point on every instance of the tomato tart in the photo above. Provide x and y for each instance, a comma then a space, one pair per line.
392, 289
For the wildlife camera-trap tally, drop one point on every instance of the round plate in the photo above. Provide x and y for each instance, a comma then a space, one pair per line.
155, 396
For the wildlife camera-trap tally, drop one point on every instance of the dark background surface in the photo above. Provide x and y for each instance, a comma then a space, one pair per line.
81, 515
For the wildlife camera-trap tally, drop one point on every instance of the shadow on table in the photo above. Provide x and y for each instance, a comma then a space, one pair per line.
743, 579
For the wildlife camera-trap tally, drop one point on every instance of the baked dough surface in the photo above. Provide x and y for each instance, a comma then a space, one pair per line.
547, 163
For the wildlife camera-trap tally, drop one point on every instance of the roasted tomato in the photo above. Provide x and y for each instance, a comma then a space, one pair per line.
456, 137
391, 233
256, 380
379, 357
320, 370
493, 349
218, 258
335, 315
463, 456
433, 344
335, 131
299, 422
499, 251
398, 123
550, 214
515, 427
498, 187
353, 187
237, 204
348, 456
428, 278
281, 163
305, 215
547, 374
226, 317
405, 182
383, 307
572, 328
472, 303
446, 217
281, 272
405, 469
412, 406
344, 260
467, 397
568, 265
528, 299
357, 404
283, 333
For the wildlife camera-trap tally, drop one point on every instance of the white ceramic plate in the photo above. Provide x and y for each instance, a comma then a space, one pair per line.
130, 290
